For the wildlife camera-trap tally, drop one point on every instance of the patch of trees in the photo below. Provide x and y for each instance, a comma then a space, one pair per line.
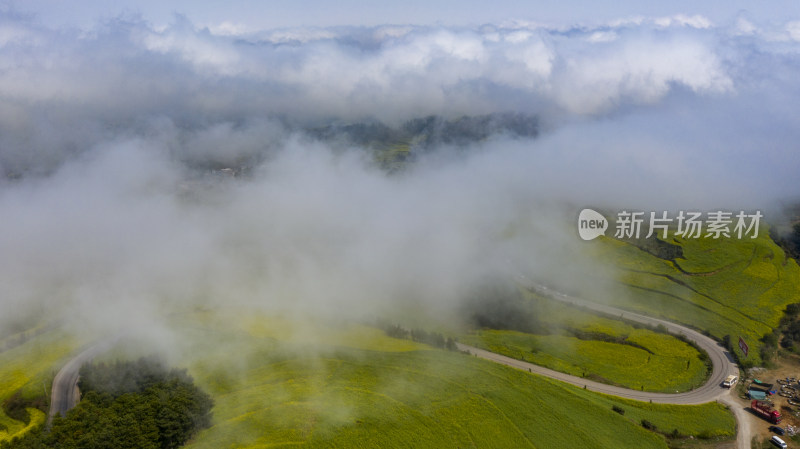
790, 328
649, 425
435, 130
791, 335
363, 134
16, 406
136, 405
432, 131
769, 347
790, 242
767, 351
786, 336
600, 336
435, 339
491, 305
657, 247
502, 306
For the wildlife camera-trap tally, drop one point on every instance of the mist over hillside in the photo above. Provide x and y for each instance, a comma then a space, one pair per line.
372, 167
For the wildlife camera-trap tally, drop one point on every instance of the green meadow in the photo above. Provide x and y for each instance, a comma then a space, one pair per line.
352, 386
29, 368
281, 383
606, 349
657, 362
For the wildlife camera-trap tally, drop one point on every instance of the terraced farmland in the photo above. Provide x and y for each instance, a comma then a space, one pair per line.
726, 286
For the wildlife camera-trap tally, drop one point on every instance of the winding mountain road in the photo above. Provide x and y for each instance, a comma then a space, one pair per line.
722, 365
65, 395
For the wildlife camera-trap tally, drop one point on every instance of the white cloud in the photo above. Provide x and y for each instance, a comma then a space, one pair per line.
641, 70
198, 47
108, 130
602, 36
793, 28
696, 21
227, 28
330, 71
744, 27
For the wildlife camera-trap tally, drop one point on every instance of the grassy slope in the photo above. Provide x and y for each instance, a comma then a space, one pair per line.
30, 367
394, 393
665, 370
725, 286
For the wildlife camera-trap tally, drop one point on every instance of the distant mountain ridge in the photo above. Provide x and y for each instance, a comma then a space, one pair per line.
397, 146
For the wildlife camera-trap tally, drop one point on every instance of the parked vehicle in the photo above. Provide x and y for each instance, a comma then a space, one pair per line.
730, 381
766, 411
778, 430
778, 442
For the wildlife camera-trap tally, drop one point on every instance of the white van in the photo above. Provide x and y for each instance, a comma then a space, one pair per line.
730, 381
778, 442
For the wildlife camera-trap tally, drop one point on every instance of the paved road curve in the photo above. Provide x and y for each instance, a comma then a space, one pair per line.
722, 365
65, 394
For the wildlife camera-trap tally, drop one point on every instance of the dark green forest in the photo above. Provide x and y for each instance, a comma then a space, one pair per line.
140, 404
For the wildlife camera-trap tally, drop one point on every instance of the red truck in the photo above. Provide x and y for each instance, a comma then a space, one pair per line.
766, 411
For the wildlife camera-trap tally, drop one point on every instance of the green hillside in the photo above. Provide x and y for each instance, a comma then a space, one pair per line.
273, 392
725, 287
636, 359
279, 383
28, 367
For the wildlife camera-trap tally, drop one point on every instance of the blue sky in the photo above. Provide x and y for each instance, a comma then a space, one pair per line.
278, 14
